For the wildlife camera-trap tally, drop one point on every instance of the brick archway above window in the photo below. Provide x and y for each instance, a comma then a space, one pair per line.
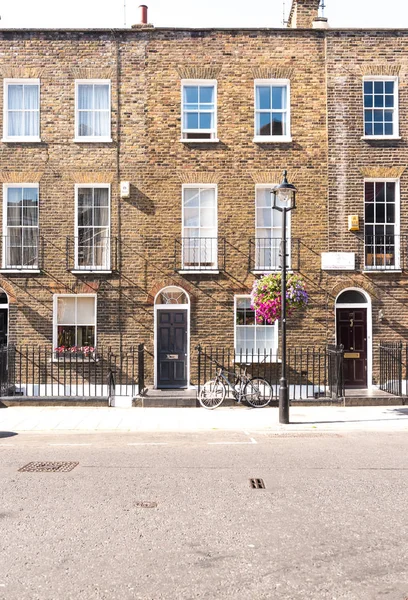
93, 73
295, 176
379, 172
91, 176
21, 72
276, 72
198, 71
6, 286
379, 69
21, 176
186, 176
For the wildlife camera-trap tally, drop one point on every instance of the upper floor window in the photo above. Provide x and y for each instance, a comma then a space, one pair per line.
20, 226
92, 240
93, 111
381, 107
253, 340
272, 110
268, 232
199, 241
381, 225
199, 110
21, 110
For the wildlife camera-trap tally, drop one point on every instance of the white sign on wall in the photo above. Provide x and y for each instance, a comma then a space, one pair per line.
338, 261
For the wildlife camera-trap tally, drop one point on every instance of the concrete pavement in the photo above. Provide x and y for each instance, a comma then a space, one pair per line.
313, 418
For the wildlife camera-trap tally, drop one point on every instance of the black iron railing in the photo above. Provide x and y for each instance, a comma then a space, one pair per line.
98, 253
385, 252
313, 373
393, 364
40, 371
199, 254
265, 254
23, 251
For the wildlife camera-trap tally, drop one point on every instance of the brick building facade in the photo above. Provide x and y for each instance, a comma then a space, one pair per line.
201, 124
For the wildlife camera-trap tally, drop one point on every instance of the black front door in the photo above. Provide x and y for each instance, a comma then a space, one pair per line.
172, 348
3, 325
352, 333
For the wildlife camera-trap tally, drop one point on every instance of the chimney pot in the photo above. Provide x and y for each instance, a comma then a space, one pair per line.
321, 23
143, 14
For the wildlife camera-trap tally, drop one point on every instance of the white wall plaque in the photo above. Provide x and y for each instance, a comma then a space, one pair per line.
338, 261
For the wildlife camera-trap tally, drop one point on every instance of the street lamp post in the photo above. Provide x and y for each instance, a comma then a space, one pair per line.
284, 200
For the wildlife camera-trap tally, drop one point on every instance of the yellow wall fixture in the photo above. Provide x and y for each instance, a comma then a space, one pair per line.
353, 223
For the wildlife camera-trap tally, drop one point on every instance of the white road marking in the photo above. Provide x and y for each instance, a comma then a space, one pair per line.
148, 444
233, 443
70, 444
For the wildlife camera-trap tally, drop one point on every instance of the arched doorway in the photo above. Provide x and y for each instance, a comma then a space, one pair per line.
172, 338
4, 314
354, 332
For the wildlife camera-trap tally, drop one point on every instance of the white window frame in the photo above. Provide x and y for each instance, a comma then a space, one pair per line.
55, 316
92, 138
20, 138
273, 354
273, 138
213, 186
263, 186
213, 132
90, 268
397, 245
17, 268
395, 122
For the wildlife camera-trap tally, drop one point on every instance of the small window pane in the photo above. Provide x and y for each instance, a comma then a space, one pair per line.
263, 97
16, 123
279, 97
378, 87
277, 124
378, 101
368, 101
207, 197
85, 119
192, 121
389, 101
390, 190
264, 126
85, 96
206, 120
389, 87
191, 197
368, 87
191, 94
85, 311
207, 94
101, 96
31, 97
66, 310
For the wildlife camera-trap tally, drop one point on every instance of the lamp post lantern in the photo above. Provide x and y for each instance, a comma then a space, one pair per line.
284, 200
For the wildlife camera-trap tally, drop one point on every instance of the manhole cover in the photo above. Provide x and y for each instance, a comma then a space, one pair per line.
145, 504
49, 467
257, 484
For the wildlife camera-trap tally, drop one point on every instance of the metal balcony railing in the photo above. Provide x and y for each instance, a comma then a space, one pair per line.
384, 252
22, 251
98, 253
199, 254
265, 254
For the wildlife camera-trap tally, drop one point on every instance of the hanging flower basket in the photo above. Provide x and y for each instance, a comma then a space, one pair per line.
266, 297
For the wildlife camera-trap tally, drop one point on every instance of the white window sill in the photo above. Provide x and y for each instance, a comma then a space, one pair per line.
199, 272
92, 271
270, 271
92, 140
17, 140
381, 137
380, 271
22, 270
207, 141
282, 139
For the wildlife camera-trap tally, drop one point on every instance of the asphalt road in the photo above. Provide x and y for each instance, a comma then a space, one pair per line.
331, 523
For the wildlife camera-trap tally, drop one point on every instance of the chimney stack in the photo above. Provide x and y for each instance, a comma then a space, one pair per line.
303, 13
143, 14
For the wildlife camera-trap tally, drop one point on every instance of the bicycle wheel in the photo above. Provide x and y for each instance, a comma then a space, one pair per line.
258, 392
212, 394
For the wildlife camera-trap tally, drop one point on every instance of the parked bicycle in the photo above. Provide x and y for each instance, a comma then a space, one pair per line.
256, 391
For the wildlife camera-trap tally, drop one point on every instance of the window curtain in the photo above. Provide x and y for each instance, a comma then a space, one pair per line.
93, 228
23, 111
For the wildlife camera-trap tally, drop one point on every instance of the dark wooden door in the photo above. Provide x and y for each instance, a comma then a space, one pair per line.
352, 333
172, 348
3, 325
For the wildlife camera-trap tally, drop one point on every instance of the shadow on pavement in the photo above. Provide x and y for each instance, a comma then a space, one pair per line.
6, 434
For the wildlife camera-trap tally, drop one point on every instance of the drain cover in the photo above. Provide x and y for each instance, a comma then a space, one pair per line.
48, 467
257, 484
146, 504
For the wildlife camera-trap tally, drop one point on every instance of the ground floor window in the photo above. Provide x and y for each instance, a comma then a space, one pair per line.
74, 322
252, 339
